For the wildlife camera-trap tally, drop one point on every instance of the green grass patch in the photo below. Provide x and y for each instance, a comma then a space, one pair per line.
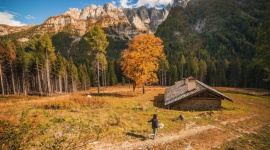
257, 140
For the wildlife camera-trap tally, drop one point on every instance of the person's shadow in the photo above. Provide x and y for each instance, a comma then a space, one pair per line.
138, 136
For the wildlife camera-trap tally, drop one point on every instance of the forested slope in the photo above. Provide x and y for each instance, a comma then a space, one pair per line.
219, 33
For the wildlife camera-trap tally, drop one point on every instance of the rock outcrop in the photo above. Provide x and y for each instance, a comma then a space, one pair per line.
5, 29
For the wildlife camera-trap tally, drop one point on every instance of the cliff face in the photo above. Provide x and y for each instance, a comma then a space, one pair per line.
5, 29
143, 18
121, 23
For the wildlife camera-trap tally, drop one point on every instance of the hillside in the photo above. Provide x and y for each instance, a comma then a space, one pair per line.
220, 33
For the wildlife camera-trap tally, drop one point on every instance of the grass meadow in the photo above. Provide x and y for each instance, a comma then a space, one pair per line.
74, 121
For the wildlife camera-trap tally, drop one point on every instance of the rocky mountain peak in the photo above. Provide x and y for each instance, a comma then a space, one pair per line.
117, 22
108, 7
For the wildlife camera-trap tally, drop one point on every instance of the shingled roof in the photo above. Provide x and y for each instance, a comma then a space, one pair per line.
179, 91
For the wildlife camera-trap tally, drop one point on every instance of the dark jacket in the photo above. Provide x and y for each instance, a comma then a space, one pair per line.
154, 123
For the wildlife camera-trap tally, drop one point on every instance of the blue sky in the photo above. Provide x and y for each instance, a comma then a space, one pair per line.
25, 12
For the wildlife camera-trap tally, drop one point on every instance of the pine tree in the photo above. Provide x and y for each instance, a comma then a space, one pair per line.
112, 79
45, 45
38, 59
73, 75
263, 48
24, 59
96, 38
164, 67
11, 57
202, 70
182, 63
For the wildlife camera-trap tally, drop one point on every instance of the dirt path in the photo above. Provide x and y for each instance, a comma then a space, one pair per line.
149, 142
191, 132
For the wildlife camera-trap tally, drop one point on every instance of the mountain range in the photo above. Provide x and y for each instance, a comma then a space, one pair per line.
123, 23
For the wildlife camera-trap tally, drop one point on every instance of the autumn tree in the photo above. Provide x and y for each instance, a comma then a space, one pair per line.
98, 42
140, 60
11, 57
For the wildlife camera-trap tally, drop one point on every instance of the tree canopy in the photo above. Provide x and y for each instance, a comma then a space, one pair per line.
140, 60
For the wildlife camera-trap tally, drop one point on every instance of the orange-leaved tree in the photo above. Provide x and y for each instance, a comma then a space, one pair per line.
140, 60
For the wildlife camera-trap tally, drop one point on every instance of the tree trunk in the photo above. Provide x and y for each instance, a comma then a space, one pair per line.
2, 83
66, 83
39, 82
98, 81
60, 84
182, 71
12, 78
72, 84
7, 86
48, 76
165, 79
134, 86
105, 79
24, 84
143, 88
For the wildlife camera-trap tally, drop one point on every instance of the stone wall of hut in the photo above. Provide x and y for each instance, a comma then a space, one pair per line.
197, 104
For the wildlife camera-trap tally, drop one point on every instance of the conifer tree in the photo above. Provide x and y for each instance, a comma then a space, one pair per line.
164, 67
263, 48
11, 57
38, 59
73, 75
202, 70
83, 76
112, 79
96, 38
24, 59
182, 63
45, 45
59, 70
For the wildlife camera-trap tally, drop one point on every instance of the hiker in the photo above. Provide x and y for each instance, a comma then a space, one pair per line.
154, 121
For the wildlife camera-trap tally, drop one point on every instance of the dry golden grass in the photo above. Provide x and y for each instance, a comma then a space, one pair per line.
74, 121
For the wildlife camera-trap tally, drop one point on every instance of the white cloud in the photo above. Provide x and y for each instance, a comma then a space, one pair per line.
152, 3
126, 3
30, 17
8, 19
113, 2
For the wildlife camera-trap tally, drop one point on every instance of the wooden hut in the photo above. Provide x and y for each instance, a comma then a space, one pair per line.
191, 94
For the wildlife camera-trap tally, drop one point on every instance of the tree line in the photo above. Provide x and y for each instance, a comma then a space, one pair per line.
36, 68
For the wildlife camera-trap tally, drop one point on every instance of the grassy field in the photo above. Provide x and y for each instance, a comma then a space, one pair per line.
119, 115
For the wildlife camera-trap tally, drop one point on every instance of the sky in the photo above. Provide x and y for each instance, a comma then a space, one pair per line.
33, 12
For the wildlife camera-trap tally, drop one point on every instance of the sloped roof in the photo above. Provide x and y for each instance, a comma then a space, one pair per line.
179, 91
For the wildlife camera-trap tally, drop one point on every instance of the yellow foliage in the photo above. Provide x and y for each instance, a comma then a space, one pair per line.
139, 61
